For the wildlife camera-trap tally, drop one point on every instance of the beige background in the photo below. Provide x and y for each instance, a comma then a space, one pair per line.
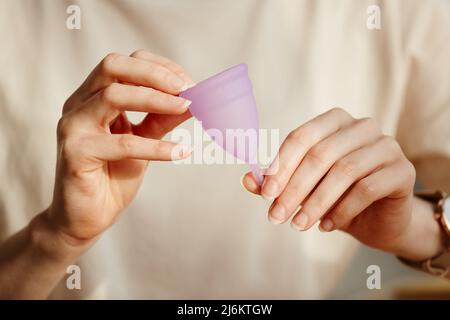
192, 232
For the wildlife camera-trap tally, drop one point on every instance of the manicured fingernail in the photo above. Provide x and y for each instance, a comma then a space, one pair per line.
273, 221
187, 86
242, 181
277, 214
184, 150
300, 223
187, 103
178, 84
326, 225
269, 190
269, 199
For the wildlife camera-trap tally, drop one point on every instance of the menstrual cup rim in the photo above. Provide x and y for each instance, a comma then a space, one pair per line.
218, 78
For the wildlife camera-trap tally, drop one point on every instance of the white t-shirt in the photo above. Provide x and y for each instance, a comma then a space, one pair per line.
192, 231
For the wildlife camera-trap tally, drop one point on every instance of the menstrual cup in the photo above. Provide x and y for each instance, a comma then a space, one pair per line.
225, 103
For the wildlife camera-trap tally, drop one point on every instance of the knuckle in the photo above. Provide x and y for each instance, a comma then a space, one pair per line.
367, 189
293, 135
165, 76
160, 147
74, 171
279, 171
368, 124
172, 66
410, 172
319, 153
126, 144
391, 145
389, 141
71, 148
108, 63
155, 69
140, 54
299, 137
61, 127
338, 111
159, 73
68, 105
151, 95
346, 167
109, 95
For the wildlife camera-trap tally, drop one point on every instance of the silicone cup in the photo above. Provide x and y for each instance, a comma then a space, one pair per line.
224, 102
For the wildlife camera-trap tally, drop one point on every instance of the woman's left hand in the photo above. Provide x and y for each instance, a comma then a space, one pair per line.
345, 173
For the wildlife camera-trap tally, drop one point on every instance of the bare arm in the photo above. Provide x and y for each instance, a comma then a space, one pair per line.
344, 174
33, 260
102, 158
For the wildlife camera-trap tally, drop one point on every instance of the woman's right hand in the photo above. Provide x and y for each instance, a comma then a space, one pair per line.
102, 157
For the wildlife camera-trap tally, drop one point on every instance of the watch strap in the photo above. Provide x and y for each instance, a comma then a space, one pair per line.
440, 264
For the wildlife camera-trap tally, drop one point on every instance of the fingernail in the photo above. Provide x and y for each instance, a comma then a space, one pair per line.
184, 150
326, 225
186, 103
178, 84
187, 86
269, 190
269, 199
184, 86
274, 221
242, 181
300, 223
277, 214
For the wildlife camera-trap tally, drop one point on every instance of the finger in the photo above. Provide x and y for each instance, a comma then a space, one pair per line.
165, 62
297, 144
393, 181
317, 161
249, 183
156, 126
118, 68
121, 124
117, 97
342, 175
113, 147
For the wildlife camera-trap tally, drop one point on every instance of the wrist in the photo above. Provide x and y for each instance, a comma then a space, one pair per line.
424, 238
51, 243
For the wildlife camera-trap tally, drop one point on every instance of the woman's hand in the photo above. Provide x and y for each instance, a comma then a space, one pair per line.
102, 157
101, 160
346, 174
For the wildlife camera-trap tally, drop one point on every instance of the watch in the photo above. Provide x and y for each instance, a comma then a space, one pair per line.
439, 265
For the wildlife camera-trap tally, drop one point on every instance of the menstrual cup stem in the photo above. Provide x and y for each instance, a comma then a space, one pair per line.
257, 174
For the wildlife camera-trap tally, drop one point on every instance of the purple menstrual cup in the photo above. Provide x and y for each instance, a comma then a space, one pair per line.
226, 108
